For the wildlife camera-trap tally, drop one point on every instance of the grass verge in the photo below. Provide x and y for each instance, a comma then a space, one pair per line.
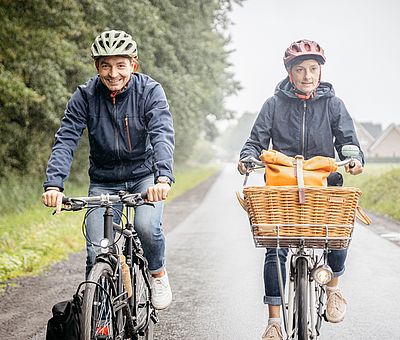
31, 238
381, 188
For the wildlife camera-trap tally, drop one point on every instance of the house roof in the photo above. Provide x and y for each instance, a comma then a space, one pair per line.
374, 129
385, 134
363, 133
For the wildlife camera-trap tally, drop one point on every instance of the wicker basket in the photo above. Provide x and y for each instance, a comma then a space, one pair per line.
326, 219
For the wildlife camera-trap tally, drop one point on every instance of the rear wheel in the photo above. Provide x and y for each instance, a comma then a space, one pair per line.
141, 304
97, 320
302, 298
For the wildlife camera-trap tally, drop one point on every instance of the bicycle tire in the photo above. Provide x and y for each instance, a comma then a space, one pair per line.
302, 298
97, 321
142, 304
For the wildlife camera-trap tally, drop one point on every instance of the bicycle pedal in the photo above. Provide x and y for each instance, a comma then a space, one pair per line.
154, 317
325, 318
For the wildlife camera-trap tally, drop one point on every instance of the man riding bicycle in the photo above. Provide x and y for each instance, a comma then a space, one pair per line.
304, 117
131, 139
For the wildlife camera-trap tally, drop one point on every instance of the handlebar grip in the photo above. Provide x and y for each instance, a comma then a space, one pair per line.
143, 195
65, 200
352, 164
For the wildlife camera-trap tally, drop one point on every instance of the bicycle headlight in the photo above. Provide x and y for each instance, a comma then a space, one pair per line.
322, 274
104, 243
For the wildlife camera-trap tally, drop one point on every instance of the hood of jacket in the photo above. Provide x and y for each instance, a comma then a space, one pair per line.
285, 89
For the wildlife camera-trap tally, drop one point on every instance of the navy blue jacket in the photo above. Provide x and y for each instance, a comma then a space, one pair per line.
129, 139
313, 127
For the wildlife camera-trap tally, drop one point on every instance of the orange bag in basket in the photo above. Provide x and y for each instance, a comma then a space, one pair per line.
284, 170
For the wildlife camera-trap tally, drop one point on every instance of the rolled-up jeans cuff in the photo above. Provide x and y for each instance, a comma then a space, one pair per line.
272, 300
159, 270
340, 273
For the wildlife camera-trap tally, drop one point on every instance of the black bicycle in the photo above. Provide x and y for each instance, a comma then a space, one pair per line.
117, 295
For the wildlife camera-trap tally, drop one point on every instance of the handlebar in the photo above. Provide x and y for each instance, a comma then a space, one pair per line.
348, 151
130, 200
252, 163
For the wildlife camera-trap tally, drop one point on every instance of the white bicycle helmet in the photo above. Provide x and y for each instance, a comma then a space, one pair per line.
112, 42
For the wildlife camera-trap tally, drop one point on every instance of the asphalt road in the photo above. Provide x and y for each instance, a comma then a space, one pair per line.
216, 276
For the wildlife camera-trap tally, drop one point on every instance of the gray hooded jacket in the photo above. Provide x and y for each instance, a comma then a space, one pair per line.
313, 127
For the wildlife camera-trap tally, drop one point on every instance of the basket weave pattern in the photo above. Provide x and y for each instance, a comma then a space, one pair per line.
326, 218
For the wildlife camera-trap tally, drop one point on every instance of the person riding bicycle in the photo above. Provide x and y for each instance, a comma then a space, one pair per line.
131, 138
304, 117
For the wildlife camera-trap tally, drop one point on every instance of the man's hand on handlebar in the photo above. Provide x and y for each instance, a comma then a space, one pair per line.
354, 167
158, 192
53, 198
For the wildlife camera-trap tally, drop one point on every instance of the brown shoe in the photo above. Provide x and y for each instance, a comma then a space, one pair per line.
272, 332
335, 307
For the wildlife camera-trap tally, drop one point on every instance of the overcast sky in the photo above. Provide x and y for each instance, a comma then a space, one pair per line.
361, 40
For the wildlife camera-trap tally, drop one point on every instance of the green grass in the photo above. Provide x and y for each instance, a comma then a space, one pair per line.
31, 238
381, 188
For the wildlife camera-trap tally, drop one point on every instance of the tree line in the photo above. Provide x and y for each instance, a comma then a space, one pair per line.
45, 54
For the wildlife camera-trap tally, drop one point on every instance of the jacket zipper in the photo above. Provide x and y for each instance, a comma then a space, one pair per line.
116, 129
128, 136
304, 128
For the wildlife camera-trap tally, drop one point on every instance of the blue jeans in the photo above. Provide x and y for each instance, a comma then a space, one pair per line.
147, 221
336, 259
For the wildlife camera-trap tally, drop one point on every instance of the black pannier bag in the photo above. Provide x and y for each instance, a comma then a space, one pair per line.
65, 323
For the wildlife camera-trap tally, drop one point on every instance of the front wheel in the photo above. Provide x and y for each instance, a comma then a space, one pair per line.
302, 298
97, 320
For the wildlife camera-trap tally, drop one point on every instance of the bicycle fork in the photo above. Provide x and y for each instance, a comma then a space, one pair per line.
288, 310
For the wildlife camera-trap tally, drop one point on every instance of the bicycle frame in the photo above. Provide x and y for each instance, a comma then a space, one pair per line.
133, 252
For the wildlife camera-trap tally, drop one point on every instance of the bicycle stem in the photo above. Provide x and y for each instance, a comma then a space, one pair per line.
108, 224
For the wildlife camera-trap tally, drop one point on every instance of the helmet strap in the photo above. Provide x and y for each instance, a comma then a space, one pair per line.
136, 66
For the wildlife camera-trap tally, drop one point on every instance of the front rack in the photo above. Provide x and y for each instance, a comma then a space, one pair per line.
307, 235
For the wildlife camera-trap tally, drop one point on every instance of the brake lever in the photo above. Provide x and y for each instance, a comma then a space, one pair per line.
249, 168
246, 177
71, 206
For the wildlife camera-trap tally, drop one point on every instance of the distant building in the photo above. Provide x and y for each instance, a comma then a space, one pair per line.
377, 143
388, 144
365, 137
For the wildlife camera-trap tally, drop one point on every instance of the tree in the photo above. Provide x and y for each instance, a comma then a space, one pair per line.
45, 54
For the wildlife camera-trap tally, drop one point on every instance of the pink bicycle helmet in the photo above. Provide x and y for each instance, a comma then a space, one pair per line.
302, 50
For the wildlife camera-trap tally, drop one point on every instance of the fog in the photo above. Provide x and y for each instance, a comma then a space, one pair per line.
361, 43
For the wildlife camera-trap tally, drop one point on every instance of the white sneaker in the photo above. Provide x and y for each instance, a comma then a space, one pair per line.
161, 292
335, 306
272, 332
